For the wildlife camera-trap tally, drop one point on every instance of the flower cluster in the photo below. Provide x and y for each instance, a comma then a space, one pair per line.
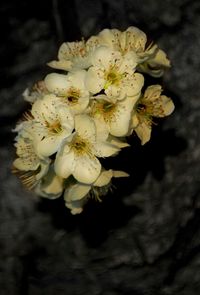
86, 111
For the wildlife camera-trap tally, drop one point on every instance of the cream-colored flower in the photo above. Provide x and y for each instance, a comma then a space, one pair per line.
28, 165
78, 155
74, 55
156, 65
53, 122
70, 89
115, 117
37, 92
76, 194
151, 104
112, 72
50, 186
150, 58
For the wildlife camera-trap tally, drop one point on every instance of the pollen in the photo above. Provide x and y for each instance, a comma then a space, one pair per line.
55, 127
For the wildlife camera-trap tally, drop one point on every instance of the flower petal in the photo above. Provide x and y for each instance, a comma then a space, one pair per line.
57, 83
143, 131
86, 169
167, 105
104, 178
76, 192
94, 80
64, 162
105, 149
85, 127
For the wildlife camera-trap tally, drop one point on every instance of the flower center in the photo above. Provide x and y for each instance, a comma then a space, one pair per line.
72, 96
107, 107
79, 145
55, 127
112, 78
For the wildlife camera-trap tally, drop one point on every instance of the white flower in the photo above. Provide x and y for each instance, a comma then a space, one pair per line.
53, 122
37, 92
150, 58
78, 155
28, 165
76, 195
112, 72
113, 116
74, 55
156, 65
70, 89
151, 104
50, 186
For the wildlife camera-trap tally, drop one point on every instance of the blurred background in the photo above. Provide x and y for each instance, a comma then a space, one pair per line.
144, 238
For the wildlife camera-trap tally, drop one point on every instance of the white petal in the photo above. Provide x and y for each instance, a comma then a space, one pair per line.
76, 192
85, 127
77, 78
105, 149
143, 132
104, 57
138, 38
51, 186
167, 105
25, 164
133, 85
60, 64
57, 83
94, 83
49, 145
64, 163
86, 169
76, 207
104, 178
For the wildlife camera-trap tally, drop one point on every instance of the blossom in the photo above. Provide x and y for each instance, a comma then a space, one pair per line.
151, 104
53, 122
70, 89
112, 72
37, 92
149, 57
78, 155
113, 116
28, 165
74, 55
76, 194
50, 186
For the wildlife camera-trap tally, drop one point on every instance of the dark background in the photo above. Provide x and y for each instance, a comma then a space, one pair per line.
144, 239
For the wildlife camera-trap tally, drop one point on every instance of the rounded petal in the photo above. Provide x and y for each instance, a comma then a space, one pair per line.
167, 105
25, 164
105, 149
86, 169
94, 82
64, 163
49, 145
76, 192
104, 57
57, 83
104, 178
85, 127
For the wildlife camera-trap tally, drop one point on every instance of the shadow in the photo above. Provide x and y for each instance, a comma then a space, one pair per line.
96, 220
139, 160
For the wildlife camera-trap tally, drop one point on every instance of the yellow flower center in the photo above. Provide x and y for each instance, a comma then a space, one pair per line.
80, 146
55, 127
72, 96
104, 108
112, 78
